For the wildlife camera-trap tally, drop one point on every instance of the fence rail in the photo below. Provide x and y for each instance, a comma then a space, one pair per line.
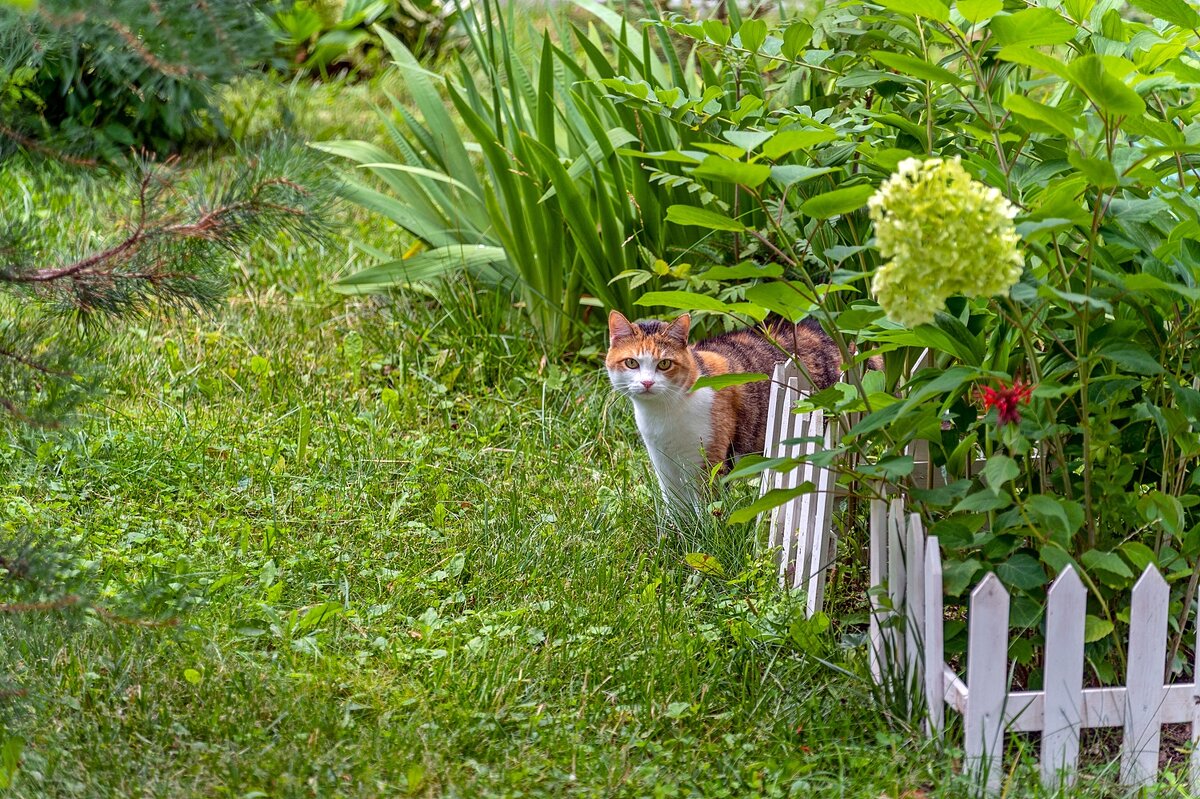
1063, 707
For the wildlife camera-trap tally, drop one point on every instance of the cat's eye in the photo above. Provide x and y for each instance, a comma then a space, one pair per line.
665, 364
632, 363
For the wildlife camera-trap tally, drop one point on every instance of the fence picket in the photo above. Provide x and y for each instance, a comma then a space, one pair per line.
914, 608
792, 426
934, 639
1144, 683
897, 533
786, 478
878, 550
1063, 715
773, 478
805, 503
820, 525
987, 680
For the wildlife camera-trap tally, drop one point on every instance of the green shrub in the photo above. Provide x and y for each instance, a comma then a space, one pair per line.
105, 78
1084, 120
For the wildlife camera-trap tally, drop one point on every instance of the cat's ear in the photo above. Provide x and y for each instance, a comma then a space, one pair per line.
618, 326
678, 330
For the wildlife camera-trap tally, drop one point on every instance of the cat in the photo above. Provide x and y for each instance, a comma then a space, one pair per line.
688, 433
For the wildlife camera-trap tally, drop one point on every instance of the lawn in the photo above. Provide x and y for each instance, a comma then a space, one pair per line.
358, 547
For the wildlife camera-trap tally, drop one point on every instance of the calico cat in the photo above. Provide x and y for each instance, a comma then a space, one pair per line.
689, 432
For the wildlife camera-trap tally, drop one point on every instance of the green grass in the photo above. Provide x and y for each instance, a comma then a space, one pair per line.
376, 548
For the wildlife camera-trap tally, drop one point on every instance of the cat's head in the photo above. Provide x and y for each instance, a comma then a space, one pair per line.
650, 361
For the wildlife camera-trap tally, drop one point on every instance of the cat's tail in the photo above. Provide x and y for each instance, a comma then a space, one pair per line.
779, 328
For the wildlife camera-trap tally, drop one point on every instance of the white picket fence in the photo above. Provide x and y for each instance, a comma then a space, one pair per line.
913, 652
801, 530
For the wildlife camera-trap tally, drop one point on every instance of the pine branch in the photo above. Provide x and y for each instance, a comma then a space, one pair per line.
169, 253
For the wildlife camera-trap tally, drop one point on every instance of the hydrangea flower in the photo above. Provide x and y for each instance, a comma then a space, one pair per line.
945, 233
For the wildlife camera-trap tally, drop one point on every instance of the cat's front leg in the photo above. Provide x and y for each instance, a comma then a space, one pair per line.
679, 482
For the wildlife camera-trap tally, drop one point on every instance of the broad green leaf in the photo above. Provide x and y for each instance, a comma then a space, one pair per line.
717, 168
1107, 92
718, 382
1098, 172
1130, 357
983, 501
1029, 57
1138, 554
748, 140
788, 141
1079, 10
788, 174
942, 495
1143, 281
750, 465
716, 31
893, 468
1108, 567
791, 300
917, 67
1021, 571
957, 575
1056, 557
1058, 518
999, 470
795, 39
703, 217
705, 564
1031, 27
730, 151
683, 300
772, 499
1096, 629
1177, 12
838, 201
1074, 298
752, 34
930, 9
1051, 117
317, 614
1112, 26
1164, 509
976, 11
747, 270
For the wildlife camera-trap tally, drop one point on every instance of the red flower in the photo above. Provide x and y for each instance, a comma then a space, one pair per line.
1005, 400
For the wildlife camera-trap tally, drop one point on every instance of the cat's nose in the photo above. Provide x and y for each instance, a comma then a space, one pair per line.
649, 384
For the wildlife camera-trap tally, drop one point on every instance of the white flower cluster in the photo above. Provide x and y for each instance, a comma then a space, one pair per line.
945, 234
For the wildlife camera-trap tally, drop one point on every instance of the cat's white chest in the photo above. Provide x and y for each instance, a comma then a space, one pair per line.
676, 433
